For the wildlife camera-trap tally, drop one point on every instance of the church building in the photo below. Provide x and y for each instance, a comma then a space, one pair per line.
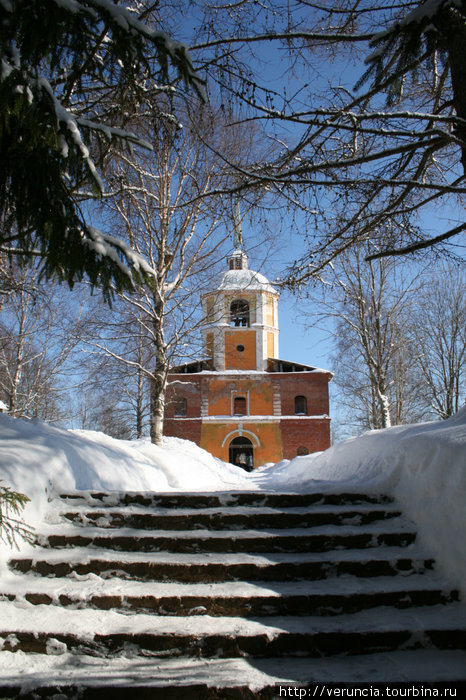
241, 402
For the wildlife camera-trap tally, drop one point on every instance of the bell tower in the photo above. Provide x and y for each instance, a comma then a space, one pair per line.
241, 314
240, 400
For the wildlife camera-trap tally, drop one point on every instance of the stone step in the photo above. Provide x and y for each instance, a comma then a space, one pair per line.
231, 518
154, 566
91, 677
102, 633
331, 597
302, 540
212, 500
217, 645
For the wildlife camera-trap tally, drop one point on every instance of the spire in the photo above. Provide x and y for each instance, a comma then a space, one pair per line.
237, 233
238, 260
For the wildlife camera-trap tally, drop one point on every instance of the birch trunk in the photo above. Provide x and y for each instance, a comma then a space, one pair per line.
159, 380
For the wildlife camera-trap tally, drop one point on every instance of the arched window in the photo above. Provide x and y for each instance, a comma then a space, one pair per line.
300, 405
239, 313
181, 408
239, 406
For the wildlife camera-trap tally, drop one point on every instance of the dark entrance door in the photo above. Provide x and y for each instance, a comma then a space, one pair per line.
241, 453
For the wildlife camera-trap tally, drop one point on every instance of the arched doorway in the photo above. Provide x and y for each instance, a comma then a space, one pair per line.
241, 453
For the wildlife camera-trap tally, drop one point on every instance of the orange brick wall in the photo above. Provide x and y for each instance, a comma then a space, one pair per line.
268, 434
270, 345
240, 360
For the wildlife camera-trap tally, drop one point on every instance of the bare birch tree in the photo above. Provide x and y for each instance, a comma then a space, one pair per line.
115, 390
36, 344
161, 203
438, 336
373, 359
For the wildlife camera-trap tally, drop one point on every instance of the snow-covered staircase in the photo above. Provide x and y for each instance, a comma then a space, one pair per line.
225, 595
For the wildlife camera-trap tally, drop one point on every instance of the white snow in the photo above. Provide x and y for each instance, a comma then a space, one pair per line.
430, 665
39, 460
243, 280
423, 466
82, 623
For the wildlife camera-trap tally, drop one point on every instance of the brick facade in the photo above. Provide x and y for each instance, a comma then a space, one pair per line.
314, 386
188, 429
269, 421
304, 435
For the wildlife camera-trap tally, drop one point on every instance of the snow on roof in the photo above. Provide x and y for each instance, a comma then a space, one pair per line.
243, 280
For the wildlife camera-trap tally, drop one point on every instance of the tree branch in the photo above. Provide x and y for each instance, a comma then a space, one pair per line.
413, 247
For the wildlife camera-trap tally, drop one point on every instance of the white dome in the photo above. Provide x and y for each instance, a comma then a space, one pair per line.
243, 280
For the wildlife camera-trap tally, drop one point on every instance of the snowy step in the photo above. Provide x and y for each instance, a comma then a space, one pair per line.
236, 598
212, 500
222, 592
388, 533
210, 567
231, 518
63, 675
103, 632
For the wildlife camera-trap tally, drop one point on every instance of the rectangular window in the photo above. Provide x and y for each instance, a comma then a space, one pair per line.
239, 403
239, 406
181, 408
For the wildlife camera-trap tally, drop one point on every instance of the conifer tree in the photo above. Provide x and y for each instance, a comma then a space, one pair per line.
71, 73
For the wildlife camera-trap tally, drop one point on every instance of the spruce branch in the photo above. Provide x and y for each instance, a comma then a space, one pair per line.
12, 526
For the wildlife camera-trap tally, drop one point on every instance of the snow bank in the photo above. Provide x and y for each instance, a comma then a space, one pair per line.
40, 460
423, 466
